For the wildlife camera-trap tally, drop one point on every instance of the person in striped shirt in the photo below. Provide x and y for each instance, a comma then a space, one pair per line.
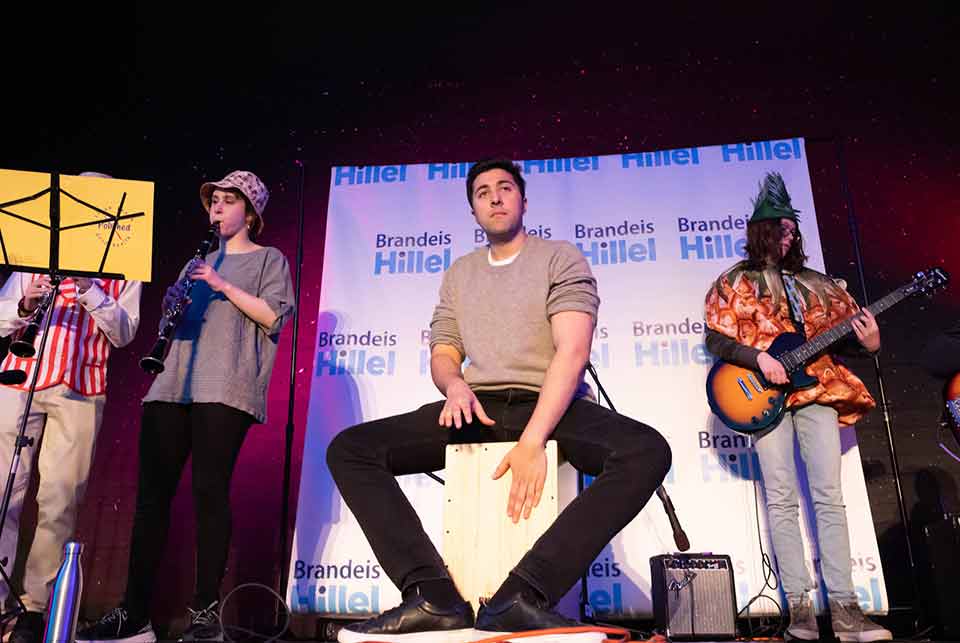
89, 318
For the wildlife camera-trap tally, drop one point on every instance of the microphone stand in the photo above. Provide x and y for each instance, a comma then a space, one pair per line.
289, 429
884, 402
22, 440
679, 537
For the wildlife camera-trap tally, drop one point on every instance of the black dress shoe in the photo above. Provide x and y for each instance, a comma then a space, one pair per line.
414, 620
518, 614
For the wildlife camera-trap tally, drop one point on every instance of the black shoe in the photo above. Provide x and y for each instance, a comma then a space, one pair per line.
29, 628
116, 626
518, 614
414, 619
204, 625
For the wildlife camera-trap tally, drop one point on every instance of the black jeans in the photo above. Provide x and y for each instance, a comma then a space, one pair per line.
629, 460
169, 433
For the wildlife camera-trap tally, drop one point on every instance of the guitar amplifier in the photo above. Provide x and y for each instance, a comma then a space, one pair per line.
693, 596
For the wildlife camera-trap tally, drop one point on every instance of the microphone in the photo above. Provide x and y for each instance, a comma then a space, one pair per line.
679, 537
13, 377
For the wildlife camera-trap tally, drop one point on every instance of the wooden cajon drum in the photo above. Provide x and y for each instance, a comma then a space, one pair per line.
480, 542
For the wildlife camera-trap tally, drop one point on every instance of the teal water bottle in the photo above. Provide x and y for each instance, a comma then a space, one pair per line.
65, 598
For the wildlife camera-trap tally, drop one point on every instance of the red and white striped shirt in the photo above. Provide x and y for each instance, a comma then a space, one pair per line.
83, 328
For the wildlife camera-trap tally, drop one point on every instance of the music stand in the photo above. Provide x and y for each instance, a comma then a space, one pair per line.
83, 257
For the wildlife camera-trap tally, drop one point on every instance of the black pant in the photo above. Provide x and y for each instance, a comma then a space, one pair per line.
168, 435
629, 459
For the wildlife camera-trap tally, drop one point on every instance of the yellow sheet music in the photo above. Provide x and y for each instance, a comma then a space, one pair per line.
91, 208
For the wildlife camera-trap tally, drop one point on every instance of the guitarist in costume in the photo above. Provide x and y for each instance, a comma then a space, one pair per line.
769, 293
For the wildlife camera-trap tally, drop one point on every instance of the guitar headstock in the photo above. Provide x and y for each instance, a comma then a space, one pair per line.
928, 281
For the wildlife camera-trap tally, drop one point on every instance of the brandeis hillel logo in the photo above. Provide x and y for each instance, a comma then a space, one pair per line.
674, 343
422, 252
361, 353
626, 242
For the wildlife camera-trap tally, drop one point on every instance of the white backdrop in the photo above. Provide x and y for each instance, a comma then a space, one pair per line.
657, 228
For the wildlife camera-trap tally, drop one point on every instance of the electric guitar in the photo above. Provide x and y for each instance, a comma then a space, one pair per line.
744, 400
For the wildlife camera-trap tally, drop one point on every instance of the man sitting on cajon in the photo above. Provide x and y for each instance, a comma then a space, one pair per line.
523, 310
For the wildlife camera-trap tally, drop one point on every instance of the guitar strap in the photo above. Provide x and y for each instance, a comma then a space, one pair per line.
793, 296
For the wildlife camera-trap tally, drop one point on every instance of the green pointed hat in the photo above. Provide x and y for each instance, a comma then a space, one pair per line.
773, 201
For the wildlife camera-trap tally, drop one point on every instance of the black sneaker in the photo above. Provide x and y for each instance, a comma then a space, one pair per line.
414, 620
29, 628
518, 614
204, 625
116, 626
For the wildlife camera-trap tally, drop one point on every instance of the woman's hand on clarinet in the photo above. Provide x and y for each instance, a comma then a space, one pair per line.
202, 271
174, 294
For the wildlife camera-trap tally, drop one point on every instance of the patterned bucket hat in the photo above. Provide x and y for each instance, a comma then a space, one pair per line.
247, 182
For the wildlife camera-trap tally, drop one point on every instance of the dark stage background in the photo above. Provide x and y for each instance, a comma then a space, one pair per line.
183, 95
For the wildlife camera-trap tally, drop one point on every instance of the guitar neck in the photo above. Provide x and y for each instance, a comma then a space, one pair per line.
821, 342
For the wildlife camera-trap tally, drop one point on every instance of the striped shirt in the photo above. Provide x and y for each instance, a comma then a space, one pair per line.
83, 329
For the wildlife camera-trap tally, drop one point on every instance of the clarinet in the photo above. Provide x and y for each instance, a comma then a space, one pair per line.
24, 345
153, 363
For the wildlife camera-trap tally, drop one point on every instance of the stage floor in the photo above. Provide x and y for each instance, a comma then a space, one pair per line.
644, 631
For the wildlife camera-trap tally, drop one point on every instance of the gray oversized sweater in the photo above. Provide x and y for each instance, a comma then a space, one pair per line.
218, 354
499, 316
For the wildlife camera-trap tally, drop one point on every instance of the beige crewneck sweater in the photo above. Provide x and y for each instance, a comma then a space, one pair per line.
499, 316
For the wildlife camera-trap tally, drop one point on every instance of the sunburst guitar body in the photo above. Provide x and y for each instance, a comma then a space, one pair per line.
744, 400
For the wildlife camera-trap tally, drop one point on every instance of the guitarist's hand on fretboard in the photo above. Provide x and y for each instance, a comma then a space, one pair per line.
866, 329
772, 369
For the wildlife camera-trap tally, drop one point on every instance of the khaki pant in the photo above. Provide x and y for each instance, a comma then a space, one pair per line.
68, 423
